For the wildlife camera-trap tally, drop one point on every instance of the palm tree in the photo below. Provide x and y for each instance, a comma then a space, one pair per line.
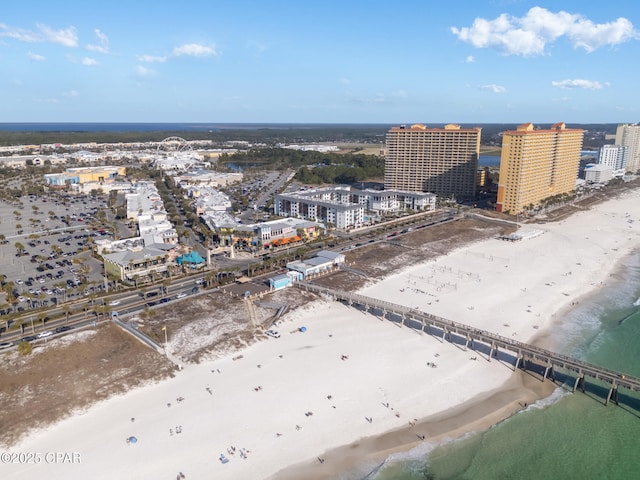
42, 318
67, 310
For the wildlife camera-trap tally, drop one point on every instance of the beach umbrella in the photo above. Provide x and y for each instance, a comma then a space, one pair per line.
303, 329
133, 439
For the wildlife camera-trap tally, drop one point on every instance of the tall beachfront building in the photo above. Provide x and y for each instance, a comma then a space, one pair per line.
628, 135
443, 161
536, 164
614, 156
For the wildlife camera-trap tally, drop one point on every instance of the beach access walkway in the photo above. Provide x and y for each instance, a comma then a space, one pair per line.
519, 354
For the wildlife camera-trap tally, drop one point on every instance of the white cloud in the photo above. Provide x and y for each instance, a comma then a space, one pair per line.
67, 37
400, 94
529, 35
151, 59
71, 93
194, 50
144, 71
18, 33
494, 88
89, 62
345, 81
579, 83
470, 59
103, 40
36, 57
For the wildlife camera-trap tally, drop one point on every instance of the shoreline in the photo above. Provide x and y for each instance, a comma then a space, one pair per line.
362, 457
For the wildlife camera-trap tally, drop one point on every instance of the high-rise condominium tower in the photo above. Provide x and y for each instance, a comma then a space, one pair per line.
629, 136
443, 161
614, 156
537, 164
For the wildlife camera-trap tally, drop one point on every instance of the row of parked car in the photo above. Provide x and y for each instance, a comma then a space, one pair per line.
32, 338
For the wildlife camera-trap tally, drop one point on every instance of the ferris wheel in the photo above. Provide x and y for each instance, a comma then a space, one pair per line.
173, 145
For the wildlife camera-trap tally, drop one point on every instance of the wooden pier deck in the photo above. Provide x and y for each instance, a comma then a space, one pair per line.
524, 355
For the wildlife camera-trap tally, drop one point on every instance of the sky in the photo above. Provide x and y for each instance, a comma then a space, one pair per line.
330, 61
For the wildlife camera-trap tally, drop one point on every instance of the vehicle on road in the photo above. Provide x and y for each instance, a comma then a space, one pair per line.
4, 345
113, 303
181, 295
64, 328
45, 334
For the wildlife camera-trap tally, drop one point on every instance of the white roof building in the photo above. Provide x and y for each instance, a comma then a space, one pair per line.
597, 173
345, 207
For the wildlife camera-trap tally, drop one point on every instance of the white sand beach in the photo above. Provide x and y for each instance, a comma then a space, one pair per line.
350, 376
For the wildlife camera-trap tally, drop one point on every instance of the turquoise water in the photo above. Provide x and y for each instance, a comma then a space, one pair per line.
566, 436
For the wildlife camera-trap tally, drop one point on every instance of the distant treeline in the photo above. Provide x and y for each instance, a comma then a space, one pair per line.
320, 167
373, 134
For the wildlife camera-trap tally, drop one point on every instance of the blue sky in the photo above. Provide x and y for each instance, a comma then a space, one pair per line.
469, 61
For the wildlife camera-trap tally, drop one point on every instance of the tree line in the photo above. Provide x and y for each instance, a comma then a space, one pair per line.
313, 166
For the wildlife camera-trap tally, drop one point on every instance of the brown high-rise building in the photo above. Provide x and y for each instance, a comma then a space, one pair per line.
537, 164
443, 161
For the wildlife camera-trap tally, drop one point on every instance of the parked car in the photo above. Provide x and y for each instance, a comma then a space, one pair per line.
272, 333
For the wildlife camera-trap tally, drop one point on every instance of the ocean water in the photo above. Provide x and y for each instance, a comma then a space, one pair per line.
568, 435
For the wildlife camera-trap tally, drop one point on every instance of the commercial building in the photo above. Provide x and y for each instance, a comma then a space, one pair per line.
597, 173
443, 161
628, 135
346, 207
73, 176
537, 164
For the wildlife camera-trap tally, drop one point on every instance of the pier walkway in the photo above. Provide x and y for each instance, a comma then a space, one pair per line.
525, 356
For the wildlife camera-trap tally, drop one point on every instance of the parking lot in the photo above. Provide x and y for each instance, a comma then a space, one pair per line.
45, 255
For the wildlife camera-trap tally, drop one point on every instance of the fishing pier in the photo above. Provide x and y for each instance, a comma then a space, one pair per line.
520, 355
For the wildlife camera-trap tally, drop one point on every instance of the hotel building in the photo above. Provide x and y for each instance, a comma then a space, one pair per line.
347, 207
614, 156
443, 161
536, 164
629, 136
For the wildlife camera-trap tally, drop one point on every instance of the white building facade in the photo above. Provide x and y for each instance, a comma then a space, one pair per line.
597, 173
628, 135
346, 207
614, 156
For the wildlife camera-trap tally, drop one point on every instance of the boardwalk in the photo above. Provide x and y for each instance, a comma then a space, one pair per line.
524, 355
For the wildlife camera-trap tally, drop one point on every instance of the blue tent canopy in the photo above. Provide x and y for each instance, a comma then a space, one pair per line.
191, 257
